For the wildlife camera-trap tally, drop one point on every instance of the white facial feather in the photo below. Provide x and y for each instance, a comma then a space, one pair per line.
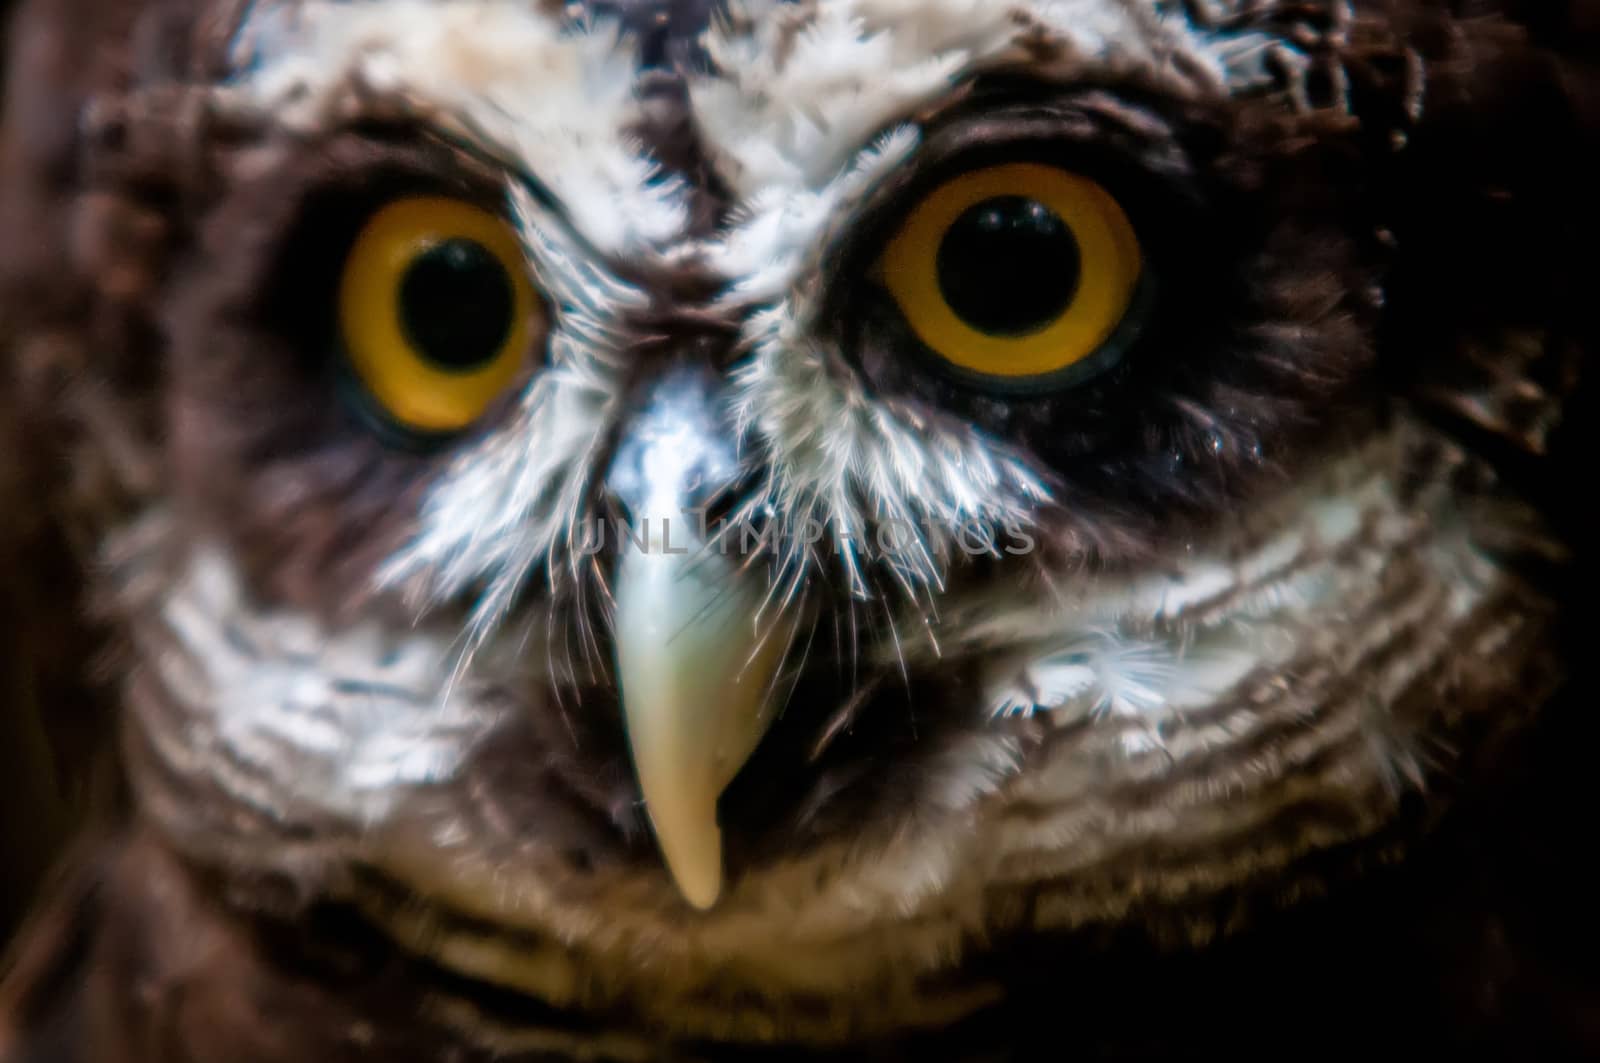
800, 88
368, 712
551, 103
1151, 646
857, 465
508, 506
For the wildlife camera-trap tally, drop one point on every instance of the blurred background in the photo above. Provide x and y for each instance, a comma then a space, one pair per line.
33, 817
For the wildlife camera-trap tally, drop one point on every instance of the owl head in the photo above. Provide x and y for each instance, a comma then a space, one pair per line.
713, 508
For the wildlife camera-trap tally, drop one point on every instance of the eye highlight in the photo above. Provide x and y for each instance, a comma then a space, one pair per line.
1014, 273
436, 311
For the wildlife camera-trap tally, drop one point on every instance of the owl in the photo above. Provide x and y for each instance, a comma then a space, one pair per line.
942, 529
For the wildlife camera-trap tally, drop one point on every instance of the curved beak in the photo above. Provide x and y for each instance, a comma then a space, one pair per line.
696, 676
695, 670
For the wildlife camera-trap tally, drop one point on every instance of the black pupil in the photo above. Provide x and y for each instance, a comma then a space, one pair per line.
1008, 266
456, 304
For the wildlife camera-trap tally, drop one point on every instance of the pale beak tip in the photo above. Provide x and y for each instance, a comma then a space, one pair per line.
701, 891
691, 844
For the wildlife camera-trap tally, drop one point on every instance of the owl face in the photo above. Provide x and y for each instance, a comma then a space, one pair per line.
794, 501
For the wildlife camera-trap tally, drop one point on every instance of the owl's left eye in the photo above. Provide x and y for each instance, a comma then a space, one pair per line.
436, 312
1015, 275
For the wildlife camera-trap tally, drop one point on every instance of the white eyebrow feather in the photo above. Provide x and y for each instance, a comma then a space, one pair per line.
548, 99
800, 89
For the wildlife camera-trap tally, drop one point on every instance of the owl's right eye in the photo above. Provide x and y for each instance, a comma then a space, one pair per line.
1015, 276
436, 312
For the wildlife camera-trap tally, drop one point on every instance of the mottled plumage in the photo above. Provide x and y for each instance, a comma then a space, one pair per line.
1225, 690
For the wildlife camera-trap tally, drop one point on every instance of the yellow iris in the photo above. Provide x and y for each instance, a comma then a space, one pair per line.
436, 311
1031, 304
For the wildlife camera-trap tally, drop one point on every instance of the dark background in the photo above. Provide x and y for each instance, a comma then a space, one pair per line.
32, 820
